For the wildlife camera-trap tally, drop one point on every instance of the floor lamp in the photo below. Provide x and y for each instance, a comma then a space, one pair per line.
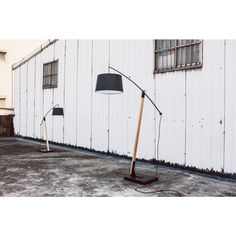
110, 83
56, 111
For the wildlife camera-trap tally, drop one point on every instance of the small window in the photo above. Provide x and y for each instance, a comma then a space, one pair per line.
2, 102
2, 56
172, 55
50, 74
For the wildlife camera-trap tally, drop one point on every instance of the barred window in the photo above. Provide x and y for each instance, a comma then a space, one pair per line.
50, 74
172, 55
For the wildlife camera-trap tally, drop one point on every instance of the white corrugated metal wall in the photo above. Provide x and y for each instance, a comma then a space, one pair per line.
197, 105
230, 108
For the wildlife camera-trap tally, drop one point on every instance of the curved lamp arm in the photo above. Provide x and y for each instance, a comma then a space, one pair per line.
44, 117
143, 91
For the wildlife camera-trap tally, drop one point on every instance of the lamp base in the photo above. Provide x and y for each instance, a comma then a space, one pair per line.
45, 150
143, 180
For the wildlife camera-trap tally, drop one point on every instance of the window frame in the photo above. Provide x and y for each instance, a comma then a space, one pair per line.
186, 66
2, 99
4, 53
49, 86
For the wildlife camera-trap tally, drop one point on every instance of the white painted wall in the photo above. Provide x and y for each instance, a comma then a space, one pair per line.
197, 105
230, 108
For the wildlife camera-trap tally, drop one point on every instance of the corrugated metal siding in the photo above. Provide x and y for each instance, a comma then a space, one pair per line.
23, 99
58, 93
205, 109
84, 96
230, 109
99, 102
70, 108
47, 56
16, 74
38, 95
119, 116
192, 102
127, 56
30, 98
141, 59
170, 96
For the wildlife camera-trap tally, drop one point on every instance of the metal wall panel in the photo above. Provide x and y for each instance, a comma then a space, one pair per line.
38, 95
84, 94
16, 74
170, 97
48, 56
133, 58
30, 98
230, 109
23, 99
70, 108
133, 99
119, 117
142, 61
58, 93
100, 62
205, 109
193, 123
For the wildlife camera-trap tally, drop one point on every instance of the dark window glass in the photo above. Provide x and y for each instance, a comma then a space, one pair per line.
50, 74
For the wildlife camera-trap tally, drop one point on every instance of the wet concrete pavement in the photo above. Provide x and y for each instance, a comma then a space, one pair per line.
24, 171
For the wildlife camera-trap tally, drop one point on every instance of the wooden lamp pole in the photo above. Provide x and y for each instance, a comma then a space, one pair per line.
46, 134
132, 167
109, 83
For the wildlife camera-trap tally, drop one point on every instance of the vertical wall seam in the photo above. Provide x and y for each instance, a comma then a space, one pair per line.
155, 101
34, 95
91, 104
12, 88
77, 95
108, 131
64, 93
12, 92
41, 77
224, 109
26, 99
155, 118
185, 118
20, 100
53, 89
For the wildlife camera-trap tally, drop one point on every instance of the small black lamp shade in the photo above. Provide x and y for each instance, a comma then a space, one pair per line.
57, 111
109, 84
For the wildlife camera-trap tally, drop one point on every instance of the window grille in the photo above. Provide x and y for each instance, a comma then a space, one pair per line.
172, 55
50, 74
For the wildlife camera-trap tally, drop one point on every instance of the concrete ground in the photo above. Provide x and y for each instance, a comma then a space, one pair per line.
24, 171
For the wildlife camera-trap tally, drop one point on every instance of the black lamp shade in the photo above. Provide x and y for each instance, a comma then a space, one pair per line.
109, 84
57, 111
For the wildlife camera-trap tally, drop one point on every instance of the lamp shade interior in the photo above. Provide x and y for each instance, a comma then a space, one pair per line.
109, 84
57, 111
